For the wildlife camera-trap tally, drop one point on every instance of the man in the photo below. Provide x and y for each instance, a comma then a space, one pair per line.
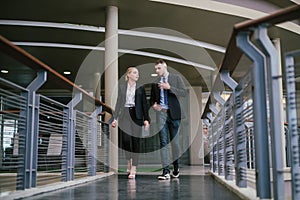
165, 92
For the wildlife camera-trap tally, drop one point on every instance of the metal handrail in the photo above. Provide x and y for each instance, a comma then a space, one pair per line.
26, 58
233, 54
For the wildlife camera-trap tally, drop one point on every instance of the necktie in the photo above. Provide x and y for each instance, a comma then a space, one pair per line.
163, 94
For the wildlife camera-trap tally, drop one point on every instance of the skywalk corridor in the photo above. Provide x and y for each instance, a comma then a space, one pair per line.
60, 66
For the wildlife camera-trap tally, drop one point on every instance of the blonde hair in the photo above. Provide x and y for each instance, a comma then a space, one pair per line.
129, 70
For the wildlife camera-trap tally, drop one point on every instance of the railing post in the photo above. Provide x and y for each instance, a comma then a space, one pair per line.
213, 108
211, 141
276, 109
228, 135
206, 122
239, 139
228, 140
215, 141
260, 115
293, 125
220, 134
31, 139
226, 78
93, 140
68, 150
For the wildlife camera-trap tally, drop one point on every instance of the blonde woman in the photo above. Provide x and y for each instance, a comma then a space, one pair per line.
131, 111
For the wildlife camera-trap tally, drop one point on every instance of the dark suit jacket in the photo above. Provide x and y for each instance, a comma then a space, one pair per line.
141, 106
177, 90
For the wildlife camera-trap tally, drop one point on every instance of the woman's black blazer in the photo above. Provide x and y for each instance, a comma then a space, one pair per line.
141, 105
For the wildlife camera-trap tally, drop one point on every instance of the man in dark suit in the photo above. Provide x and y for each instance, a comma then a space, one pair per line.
165, 92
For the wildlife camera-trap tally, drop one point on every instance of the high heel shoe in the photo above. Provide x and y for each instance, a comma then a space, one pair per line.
132, 172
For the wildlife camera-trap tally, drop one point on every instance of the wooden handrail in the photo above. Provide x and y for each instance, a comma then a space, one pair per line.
29, 60
233, 54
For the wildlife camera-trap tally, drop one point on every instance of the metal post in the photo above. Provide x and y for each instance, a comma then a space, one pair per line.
93, 140
228, 135
31, 138
293, 125
69, 139
218, 98
213, 108
228, 139
221, 133
260, 115
239, 139
220, 142
215, 137
226, 78
276, 109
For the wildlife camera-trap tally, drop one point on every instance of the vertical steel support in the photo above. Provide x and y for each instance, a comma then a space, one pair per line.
260, 115
214, 109
218, 98
70, 139
226, 78
215, 140
228, 136
239, 139
1, 131
220, 139
209, 116
206, 122
293, 126
220, 133
93, 140
276, 109
21, 170
228, 143
211, 140
31, 140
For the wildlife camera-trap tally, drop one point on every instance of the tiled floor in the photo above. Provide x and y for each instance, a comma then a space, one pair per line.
192, 184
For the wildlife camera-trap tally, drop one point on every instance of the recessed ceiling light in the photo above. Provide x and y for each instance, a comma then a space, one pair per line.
4, 71
154, 75
67, 72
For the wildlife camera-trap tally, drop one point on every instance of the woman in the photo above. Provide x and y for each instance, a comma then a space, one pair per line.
132, 113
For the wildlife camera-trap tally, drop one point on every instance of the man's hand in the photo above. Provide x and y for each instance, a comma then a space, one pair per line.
156, 107
165, 86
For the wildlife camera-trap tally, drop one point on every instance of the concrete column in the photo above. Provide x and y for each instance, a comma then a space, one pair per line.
97, 85
196, 149
111, 75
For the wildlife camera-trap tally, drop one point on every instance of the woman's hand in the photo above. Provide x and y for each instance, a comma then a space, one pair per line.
114, 124
146, 125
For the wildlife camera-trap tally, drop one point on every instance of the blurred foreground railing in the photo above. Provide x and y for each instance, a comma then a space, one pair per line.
44, 141
249, 142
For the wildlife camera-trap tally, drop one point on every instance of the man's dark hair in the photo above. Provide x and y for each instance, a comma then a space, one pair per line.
160, 61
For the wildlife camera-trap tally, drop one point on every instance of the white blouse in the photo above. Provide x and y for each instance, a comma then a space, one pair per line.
130, 95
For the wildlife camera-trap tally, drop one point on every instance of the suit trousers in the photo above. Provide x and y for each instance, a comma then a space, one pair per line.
169, 130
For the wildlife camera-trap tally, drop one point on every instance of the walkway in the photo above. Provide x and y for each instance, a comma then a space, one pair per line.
192, 184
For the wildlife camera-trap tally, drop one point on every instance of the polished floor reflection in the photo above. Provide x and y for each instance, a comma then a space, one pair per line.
145, 187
